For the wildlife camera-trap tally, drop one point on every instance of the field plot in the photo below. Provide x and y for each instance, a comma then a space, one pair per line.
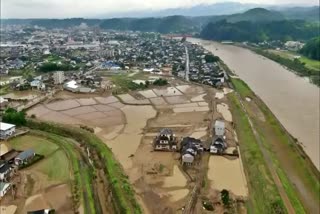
128, 129
43, 182
222, 173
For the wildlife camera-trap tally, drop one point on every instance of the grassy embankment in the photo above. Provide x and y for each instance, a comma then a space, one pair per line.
264, 197
59, 152
303, 67
55, 165
298, 176
123, 195
309, 63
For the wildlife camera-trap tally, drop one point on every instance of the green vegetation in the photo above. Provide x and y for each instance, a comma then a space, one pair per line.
81, 187
13, 116
40, 145
225, 197
284, 152
263, 192
312, 49
55, 166
122, 193
257, 32
160, 82
50, 66
4, 89
124, 83
310, 63
296, 65
211, 58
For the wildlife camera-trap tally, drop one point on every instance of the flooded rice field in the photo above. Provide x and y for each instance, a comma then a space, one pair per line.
227, 174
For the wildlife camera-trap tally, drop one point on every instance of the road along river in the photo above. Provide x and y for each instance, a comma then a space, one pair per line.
293, 100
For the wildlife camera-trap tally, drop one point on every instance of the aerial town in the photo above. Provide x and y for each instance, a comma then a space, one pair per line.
96, 76
106, 121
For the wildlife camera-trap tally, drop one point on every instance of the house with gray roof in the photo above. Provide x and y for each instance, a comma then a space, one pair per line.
24, 157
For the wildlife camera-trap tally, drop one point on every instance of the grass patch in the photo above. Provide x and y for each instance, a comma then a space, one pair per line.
56, 166
79, 185
310, 63
124, 84
40, 145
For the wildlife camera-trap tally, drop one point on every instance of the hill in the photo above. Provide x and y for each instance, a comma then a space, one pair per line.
312, 49
257, 32
256, 15
170, 24
304, 13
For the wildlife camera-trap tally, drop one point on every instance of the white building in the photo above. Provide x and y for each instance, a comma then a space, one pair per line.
6, 130
58, 77
4, 188
219, 128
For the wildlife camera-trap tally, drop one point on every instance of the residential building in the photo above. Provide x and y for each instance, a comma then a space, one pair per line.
4, 188
218, 146
190, 148
24, 157
6, 130
219, 128
58, 77
165, 140
5, 171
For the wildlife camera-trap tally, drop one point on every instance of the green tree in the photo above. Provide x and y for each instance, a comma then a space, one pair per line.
225, 197
13, 116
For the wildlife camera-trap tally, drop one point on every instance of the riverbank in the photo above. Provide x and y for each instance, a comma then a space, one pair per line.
295, 66
293, 100
293, 170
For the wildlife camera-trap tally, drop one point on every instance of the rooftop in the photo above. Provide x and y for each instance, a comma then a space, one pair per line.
6, 126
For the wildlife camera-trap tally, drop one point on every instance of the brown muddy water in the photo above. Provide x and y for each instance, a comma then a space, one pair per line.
293, 100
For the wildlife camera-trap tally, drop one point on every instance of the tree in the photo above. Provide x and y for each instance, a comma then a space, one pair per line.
211, 58
13, 116
225, 197
160, 82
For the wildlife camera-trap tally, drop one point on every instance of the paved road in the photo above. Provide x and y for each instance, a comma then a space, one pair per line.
187, 65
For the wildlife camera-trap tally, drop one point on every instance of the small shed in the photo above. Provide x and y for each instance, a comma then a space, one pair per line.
218, 146
24, 157
219, 128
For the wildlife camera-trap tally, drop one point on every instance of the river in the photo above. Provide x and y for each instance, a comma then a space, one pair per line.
293, 100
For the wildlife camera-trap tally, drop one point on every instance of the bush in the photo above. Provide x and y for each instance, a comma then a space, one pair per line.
225, 197
13, 116
160, 82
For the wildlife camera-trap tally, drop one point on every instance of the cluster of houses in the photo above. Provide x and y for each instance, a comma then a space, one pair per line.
10, 159
190, 148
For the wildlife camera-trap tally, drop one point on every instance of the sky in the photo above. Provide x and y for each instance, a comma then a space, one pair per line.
91, 8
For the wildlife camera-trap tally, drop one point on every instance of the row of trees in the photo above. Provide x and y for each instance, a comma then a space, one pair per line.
48, 67
312, 49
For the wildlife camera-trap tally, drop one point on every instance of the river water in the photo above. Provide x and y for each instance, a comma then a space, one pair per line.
293, 100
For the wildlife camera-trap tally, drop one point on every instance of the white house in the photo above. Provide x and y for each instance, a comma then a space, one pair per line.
6, 130
4, 188
219, 128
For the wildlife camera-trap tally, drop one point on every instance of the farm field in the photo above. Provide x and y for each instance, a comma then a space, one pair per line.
126, 123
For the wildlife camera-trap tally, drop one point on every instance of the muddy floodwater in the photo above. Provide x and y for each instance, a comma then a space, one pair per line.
293, 100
